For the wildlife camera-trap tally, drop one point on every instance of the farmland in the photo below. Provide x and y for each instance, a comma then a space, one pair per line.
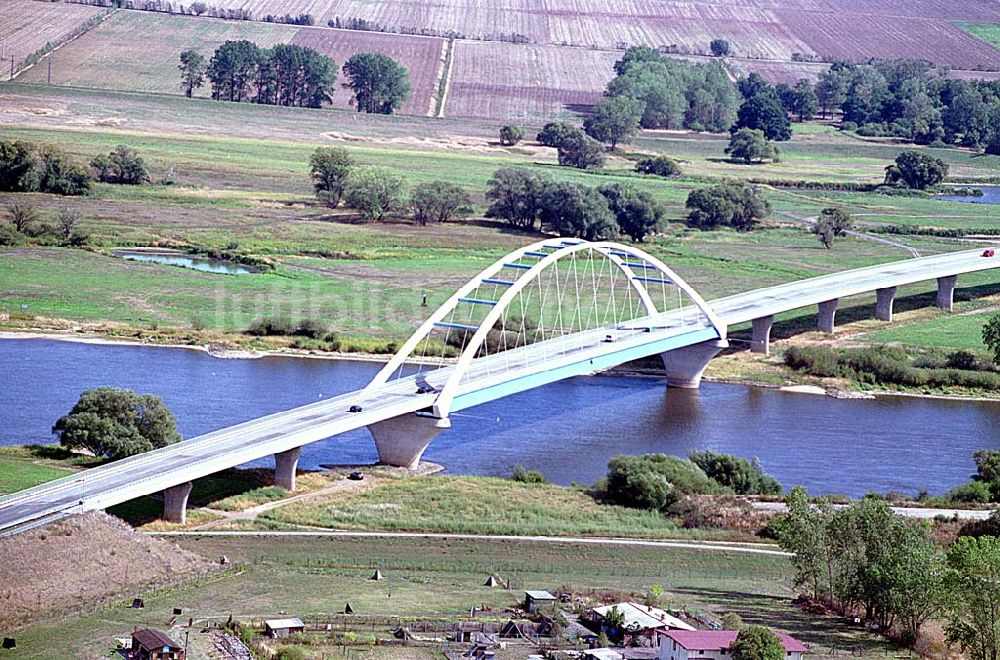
422, 56
29, 26
524, 81
758, 29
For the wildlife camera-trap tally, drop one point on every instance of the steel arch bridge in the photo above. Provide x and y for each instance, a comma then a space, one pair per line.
548, 311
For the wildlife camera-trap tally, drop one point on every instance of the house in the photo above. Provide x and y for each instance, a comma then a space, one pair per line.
535, 599
714, 645
277, 628
643, 624
149, 644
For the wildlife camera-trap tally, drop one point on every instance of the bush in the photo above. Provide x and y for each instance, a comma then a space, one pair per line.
511, 134
973, 492
283, 327
775, 528
523, 476
554, 132
814, 360
962, 360
735, 205
290, 653
735, 473
659, 165
9, 236
374, 191
581, 151
123, 165
329, 168
655, 481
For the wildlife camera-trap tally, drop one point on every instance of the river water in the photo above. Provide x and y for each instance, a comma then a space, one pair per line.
568, 430
991, 195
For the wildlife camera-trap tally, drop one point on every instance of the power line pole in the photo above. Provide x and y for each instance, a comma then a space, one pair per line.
11, 67
50, 70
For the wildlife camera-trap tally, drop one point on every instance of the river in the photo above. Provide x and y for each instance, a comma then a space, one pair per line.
568, 430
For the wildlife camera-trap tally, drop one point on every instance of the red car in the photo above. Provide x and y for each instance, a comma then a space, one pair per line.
988, 253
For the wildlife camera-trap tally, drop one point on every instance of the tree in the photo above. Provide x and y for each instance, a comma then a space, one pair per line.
123, 165
22, 215
198, 8
659, 165
732, 621
973, 584
764, 112
734, 205
752, 85
233, 69
918, 171
554, 132
636, 213
330, 167
581, 151
733, 472
655, 481
68, 220
831, 88
374, 191
116, 423
720, 47
569, 209
17, 162
515, 195
381, 84
511, 134
193, 68
749, 145
832, 223
991, 337
61, 176
615, 119
757, 643
438, 201
803, 101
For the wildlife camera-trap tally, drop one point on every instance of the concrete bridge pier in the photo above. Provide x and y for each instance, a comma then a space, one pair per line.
685, 366
883, 303
946, 292
761, 340
285, 464
175, 501
401, 441
827, 312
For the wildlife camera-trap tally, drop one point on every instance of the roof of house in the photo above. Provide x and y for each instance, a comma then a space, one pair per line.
712, 640
642, 617
602, 654
539, 595
153, 639
275, 624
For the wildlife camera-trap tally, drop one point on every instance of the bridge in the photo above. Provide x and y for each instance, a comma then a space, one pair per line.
545, 312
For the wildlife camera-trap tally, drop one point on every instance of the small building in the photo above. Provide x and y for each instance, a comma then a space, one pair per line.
642, 624
601, 654
278, 628
149, 644
714, 645
535, 599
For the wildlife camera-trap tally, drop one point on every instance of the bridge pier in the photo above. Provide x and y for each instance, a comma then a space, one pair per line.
401, 441
175, 501
946, 292
883, 303
285, 464
685, 366
761, 340
827, 312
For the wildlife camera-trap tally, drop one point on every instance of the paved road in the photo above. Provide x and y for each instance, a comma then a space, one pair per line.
490, 377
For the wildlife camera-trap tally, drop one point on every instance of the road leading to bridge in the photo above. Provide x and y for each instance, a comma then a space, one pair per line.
488, 378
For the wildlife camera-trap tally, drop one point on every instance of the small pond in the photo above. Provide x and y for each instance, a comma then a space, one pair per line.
991, 195
171, 258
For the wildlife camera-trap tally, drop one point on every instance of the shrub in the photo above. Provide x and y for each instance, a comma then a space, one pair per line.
511, 134
962, 360
973, 492
523, 476
655, 481
123, 165
329, 168
374, 191
581, 151
659, 165
814, 360
733, 472
554, 132
438, 201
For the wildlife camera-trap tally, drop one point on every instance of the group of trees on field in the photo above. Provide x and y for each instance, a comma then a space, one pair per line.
736, 205
864, 558
912, 100
26, 224
293, 75
916, 170
527, 199
672, 93
31, 167
376, 192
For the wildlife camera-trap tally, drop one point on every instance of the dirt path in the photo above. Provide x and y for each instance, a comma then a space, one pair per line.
810, 221
719, 546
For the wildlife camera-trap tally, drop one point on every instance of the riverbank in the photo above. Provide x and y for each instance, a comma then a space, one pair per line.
740, 368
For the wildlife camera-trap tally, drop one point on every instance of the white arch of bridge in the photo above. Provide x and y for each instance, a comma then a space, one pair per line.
547, 252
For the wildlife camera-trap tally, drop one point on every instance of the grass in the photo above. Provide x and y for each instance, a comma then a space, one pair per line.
474, 505
953, 332
438, 579
24, 466
988, 32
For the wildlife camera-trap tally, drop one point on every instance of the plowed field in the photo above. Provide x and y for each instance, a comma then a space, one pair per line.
26, 26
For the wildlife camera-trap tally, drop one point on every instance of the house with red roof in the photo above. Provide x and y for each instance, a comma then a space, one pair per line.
714, 645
